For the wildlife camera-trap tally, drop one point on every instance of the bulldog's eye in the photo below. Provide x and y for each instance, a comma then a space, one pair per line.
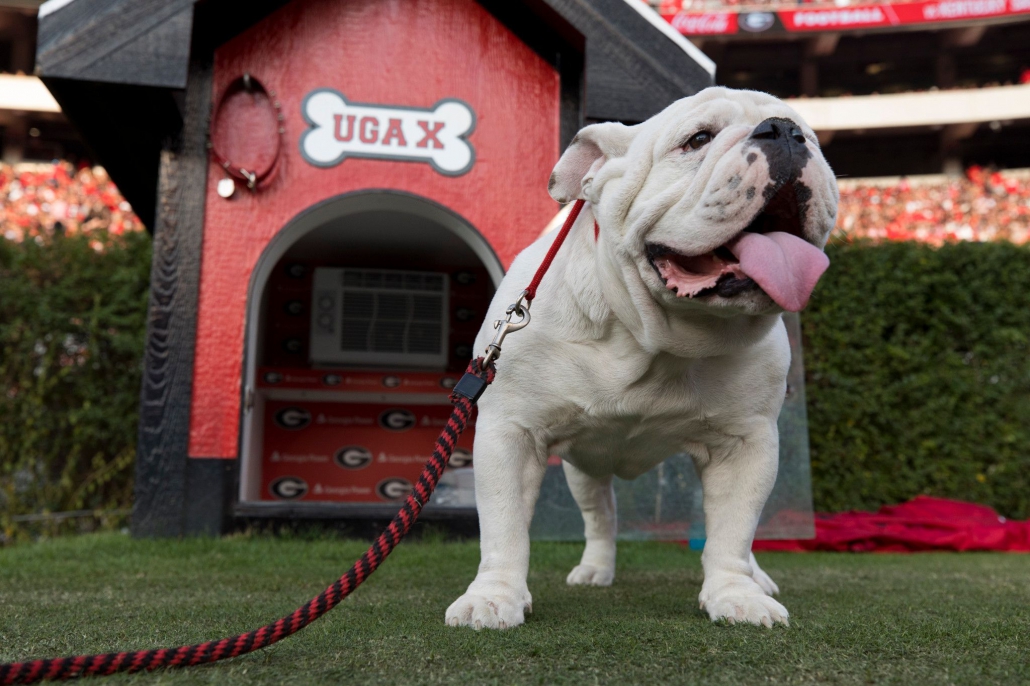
699, 139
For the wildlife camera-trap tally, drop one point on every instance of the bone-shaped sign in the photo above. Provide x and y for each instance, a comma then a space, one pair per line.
341, 129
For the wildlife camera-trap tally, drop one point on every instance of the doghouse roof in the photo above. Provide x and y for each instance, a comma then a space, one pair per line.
119, 68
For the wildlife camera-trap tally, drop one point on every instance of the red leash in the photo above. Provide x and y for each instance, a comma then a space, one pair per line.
549, 257
466, 392
213, 651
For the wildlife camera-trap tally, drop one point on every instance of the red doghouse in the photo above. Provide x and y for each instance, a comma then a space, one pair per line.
335, 188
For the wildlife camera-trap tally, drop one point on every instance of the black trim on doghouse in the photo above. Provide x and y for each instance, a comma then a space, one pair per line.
633, 70
125, 128
210, 488
139, 42
161, 499
288, 510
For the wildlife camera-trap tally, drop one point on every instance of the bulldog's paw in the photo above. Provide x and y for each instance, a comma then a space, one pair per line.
589, 575
742, 600
490, 609
765, 582
763, 579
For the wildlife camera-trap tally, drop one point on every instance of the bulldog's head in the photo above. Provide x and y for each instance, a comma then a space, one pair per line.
721, 202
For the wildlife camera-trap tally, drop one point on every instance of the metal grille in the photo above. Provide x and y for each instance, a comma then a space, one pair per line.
391, 312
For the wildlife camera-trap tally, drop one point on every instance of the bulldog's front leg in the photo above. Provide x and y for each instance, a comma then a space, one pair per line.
509, 468
736, 483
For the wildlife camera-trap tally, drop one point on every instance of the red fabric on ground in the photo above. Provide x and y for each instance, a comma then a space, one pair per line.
920, 524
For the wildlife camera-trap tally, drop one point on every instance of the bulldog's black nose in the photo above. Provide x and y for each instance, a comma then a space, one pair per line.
778, 128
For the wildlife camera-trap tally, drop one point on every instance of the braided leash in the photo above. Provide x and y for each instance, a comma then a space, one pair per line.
463, 397
466, 393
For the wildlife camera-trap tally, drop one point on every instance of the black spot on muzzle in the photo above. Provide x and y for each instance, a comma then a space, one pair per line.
783, 144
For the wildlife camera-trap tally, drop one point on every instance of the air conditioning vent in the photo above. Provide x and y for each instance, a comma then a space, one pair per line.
379, 317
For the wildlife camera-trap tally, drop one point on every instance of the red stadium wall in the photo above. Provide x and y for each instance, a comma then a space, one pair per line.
407, 53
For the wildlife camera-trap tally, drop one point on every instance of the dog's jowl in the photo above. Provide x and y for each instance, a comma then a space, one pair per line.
660, 335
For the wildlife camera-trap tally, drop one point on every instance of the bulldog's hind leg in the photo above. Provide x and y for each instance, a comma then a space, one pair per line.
736, 483
596, 500
509, 468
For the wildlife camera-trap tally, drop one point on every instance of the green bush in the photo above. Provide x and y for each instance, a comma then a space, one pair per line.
918, 375
72, 321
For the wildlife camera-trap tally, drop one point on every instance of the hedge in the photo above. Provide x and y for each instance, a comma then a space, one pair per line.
918, 376
72, 321
917, 371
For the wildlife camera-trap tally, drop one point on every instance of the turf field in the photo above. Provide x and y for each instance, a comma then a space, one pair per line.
855, 619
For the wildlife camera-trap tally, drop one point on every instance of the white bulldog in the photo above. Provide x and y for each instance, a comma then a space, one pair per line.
661, 335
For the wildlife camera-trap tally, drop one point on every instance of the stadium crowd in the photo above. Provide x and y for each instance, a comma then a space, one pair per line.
40, 200
982, 206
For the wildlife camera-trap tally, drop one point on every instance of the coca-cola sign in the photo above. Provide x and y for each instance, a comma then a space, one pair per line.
707, 23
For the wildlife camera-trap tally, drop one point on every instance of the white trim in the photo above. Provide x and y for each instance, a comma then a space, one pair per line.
932, 108
51, 6
672, 34
25, 94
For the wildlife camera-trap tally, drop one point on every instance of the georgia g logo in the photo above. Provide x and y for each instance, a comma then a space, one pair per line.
288, 487
292, 418
397, 420
393, 488
353, 457
460, 458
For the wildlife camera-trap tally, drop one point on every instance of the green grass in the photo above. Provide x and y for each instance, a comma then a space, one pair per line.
882, 619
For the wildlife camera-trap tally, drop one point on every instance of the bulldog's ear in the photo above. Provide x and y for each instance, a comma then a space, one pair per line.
588, 151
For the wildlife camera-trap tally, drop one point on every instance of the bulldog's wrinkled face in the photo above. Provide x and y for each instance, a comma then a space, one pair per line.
723, 200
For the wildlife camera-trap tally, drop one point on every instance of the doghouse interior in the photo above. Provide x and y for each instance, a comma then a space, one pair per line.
318, 430
372, 241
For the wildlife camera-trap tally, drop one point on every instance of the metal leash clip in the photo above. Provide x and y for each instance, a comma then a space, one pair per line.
472, 385
505, 326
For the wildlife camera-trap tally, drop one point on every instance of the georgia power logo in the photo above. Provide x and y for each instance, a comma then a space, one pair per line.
393, 488
292, 418
353, 457
397, 420
341, 129
288, 487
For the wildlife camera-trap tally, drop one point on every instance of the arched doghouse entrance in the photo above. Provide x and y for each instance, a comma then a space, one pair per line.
361, 315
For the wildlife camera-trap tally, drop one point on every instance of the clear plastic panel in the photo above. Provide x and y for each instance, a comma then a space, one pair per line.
665, 503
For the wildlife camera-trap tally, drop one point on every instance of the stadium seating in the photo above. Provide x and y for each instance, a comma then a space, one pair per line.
982, 206
954, 107
44, 199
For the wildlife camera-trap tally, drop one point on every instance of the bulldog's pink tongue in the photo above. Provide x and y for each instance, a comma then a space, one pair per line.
783, 265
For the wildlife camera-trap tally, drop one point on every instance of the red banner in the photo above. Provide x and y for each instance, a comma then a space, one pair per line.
353, 452
882, 15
